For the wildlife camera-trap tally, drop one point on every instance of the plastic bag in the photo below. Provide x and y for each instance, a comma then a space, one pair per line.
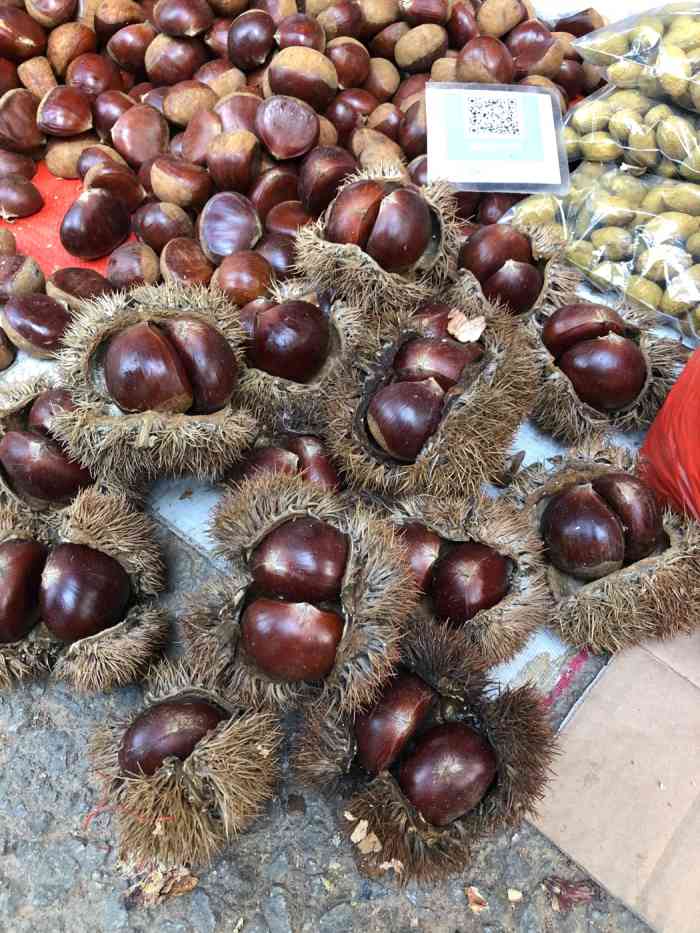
640, 237
625, 125
670, 456
656, 52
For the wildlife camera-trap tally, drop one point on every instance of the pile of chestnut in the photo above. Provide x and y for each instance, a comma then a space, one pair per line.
460, 579
292, 622
213, 131
425, 374
591, 346
591, 529
75, 590
33, 464
444, 768
500, 258
293, 454
174, 365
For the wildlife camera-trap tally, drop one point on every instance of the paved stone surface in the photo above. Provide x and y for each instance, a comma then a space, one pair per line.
292, 874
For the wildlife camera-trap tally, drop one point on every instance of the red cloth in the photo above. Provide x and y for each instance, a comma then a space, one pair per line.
671, 451
37, 236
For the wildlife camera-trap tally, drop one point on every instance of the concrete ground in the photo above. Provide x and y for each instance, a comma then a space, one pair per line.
292, 874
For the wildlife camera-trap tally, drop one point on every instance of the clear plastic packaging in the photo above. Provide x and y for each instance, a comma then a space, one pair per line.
656, 52
640, 237
626, 126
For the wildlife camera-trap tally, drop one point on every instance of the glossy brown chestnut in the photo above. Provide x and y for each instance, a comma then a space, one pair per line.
111, 15
302, 72
574, 323
413, 131
321, 174
448, 773
128, 46
186, 98
422, 549
159, 222
204, 126
354, 212
66, 42
383, 732
118, 180
144, 372
349, 111
516, 284
491, 249
535, 50
250, 39
290, 340
169, 729
401, 232
45, 406
169, 60
402, 416
210, 364
291, 641
572, 78
469, 578
221, 76
286, 218
19, 275
462, 26
342, 18
273, 187
21, 564
93, 74
228, 223
180, 182
302, 560
279, 251
18, 129
442, 360
133, 264
636, 506
416, 51
13, 163
216, 37
21, 37
74, 285
313, 462
64, 111
607, 373
351, 61
300, 30
19, 197
98, 155
183, 260
580, 24
38, 469
270, 459
182, 17
140, 133
383, 80
287, 127
94, 225
9, 77
582, 535
485, 60
244, 276
493, 206
233, 160
35, 323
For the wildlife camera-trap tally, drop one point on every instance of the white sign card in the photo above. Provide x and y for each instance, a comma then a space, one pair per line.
496, 138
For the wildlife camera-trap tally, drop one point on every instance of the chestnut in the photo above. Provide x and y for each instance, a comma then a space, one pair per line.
342, 18
140, 133
169, 729
351, 61
182, 17
384, 731
216, 39
298, 29
303, 560
128, 46
383, 79
413, 131
7, 350
45, 406
37, 468
349, 111
497, 17
574, 323
636, 506
35, 323
275, 186
305, 73
119, 180
169, 60
180, 182
66, 42
13, 163
270, 460
209, 362
402, 416
442, 360
485, 60
133, 264
535, 50
237, 111
22, 563
221, 76
422, 549
19, 197
18, 129
580, 24
158, 222
201, 130
353, 213
420, 12
251, 39
185, 99
228, 223
287, 127
183, 260
291, 641
72, 286
97, 155
36, 75
420, 47
21, 37
469, 578
313, 462
50, 13
94, 225
83, 592
321, 174
418, 170
448, 772
93, 74
493, 206
501, 259
279, 251
286, 218
462, 26
572, 78
111, 15
9, 76
19, 275
290, 340
401, 232
244, 276
233, 160
607, 373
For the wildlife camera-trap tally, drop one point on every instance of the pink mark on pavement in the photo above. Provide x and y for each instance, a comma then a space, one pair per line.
567, 675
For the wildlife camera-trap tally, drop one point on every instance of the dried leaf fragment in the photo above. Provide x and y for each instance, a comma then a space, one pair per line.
514, 896
464, 329
477, 903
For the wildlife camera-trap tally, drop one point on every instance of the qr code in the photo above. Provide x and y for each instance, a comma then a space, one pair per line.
493, 116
